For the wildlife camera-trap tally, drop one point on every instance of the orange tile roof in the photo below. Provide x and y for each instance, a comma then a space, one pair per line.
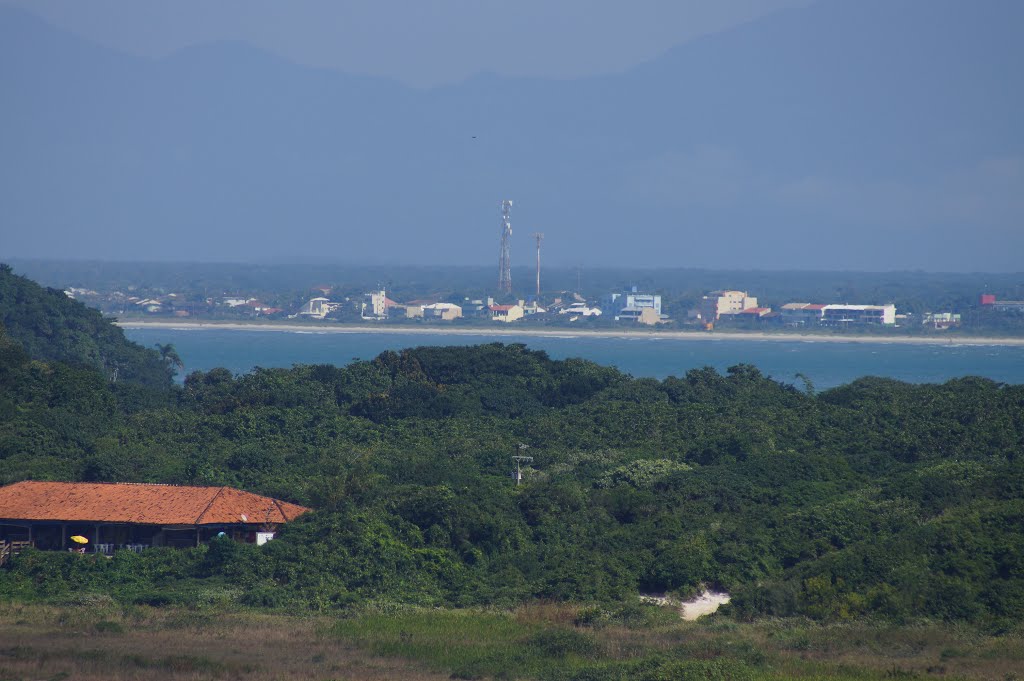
140, 503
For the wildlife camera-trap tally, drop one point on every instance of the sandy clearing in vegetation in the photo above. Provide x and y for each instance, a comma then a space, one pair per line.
704, 603
497, 333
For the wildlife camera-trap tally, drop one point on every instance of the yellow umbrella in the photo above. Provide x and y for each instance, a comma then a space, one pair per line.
79, 539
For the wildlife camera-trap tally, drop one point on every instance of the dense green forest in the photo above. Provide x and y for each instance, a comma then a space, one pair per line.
50, 326
876, 499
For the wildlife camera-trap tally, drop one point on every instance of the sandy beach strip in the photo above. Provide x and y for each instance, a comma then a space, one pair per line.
511, 331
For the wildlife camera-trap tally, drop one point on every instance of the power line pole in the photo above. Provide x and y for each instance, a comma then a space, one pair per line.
505, 258
521, 459
539, 236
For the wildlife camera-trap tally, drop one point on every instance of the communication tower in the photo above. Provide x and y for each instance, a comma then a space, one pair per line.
505, 258
539, 236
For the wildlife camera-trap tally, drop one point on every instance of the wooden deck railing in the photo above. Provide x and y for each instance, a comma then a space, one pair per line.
11, 549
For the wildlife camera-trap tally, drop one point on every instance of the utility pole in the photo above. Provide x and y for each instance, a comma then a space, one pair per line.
520, 459
539, 236
505, 257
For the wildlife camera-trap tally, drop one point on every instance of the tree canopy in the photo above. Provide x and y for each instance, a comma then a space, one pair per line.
876, 498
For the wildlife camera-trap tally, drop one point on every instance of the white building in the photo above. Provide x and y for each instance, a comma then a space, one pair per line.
812, 314
581, 310
375, 305
631, 300
317, 308
850, 315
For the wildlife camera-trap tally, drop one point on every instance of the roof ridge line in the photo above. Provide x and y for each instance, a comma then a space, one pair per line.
219, 492
280, 509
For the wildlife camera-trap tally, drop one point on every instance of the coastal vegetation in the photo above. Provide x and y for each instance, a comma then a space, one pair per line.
830, 517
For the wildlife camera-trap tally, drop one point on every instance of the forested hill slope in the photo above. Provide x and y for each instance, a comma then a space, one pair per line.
877, 499
51, 326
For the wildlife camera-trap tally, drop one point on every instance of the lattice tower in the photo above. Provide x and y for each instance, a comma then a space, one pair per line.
505, 258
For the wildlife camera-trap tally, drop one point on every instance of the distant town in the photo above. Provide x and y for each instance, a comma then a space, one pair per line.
723, 308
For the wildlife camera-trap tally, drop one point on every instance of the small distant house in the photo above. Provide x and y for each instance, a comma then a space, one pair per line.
442, 311
641, 315
505, 313
150, 305
581, 309
532, 307
134, 516
940, 320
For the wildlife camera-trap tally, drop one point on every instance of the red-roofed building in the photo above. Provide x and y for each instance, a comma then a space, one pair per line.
135, 516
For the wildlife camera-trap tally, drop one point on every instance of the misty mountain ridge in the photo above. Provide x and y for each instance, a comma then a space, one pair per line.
813, 138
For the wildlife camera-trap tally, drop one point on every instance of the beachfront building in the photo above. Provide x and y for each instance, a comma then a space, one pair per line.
813, 314
989, 301
717, 303
801, 314
580, 309
317, 308
533, 307
641, 315
375, 305
505, 313
940, 320
633, 301
858, 315
442, 311
110, 516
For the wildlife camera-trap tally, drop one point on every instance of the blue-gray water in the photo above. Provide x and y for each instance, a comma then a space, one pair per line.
826, 364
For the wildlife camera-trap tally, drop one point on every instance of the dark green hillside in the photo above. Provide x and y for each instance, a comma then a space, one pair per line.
51, 326
875, 499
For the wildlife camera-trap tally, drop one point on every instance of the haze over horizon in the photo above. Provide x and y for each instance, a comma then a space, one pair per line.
766, 134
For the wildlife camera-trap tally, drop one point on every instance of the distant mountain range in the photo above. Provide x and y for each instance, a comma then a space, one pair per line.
849, 134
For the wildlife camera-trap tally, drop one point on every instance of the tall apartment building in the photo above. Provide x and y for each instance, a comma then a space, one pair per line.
718, 303
375, 305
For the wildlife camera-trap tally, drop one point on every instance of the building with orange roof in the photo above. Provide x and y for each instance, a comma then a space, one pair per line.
135, 515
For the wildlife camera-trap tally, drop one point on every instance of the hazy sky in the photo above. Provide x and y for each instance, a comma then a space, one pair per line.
762, 134
418, 42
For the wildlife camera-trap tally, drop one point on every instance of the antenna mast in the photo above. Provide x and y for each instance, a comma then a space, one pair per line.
539, 236
505, 259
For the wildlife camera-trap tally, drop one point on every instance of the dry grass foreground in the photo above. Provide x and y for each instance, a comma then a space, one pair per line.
80, 644
105, 641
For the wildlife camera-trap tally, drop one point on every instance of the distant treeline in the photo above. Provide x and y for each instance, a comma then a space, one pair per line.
877, 499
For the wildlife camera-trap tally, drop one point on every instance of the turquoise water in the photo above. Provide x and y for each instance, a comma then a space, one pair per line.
826, 364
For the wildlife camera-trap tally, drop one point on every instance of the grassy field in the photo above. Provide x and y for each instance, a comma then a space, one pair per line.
105, 641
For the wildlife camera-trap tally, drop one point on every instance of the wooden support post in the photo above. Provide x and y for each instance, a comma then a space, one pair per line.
197, 536
96, 545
